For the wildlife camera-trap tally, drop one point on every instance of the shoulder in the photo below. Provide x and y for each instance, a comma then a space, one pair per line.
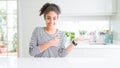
38, 28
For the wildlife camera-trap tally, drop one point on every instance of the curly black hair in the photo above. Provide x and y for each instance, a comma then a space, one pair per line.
49, 7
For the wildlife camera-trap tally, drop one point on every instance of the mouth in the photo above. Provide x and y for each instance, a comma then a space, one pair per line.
50, 24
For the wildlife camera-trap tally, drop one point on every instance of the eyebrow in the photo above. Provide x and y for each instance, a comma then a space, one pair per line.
50, 16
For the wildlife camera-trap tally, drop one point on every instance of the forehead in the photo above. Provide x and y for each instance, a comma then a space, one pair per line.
51, 14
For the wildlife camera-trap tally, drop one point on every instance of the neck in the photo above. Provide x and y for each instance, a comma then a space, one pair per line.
50, 30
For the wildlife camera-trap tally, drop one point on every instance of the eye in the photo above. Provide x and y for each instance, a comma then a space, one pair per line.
48, 18
54, 18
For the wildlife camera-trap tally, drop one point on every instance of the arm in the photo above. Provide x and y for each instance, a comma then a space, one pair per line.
33, 48
71, 46
64, 51
44, 46
52, 42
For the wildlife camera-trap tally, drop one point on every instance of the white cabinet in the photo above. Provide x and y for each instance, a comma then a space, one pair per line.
111, 6
86, 7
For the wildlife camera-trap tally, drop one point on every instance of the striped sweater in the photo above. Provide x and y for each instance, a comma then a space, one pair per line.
39, 36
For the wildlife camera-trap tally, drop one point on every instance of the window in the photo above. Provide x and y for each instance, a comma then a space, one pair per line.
83, 23
84, 27
8, 28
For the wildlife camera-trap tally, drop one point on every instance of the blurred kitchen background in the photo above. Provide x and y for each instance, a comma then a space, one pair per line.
95, 21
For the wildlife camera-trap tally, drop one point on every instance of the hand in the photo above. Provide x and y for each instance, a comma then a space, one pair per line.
54, 41
76, 40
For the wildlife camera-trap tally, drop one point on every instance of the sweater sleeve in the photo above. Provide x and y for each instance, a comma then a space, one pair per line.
34, 47
62, 51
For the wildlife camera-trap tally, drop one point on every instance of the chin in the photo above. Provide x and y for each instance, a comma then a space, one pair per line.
50, 26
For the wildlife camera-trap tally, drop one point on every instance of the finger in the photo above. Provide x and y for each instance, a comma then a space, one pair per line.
77, 39
57, 35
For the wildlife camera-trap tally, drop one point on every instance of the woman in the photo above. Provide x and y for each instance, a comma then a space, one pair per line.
48, 41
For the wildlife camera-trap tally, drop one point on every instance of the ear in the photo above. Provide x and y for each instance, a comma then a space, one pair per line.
44, 16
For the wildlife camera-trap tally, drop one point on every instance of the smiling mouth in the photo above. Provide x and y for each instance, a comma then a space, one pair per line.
51, 24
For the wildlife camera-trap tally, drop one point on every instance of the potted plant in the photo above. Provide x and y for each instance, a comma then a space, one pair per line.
15, 43
70, 36
2, 45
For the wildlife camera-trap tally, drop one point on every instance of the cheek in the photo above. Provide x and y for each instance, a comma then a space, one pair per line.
47, 21
55, 20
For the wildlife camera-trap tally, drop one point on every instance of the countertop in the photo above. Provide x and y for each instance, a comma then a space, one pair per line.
85, 44
60, 62
98, 46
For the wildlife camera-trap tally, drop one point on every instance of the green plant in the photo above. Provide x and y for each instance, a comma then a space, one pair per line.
67, 34
82, 32
2, 34
72, 36
15, 42
2, 11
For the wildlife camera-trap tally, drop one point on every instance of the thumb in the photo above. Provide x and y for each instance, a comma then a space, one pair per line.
57, 36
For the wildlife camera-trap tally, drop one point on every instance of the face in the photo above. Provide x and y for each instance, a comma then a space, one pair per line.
51, 19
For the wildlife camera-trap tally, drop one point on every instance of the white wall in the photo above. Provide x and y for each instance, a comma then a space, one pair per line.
29, 18
115, 23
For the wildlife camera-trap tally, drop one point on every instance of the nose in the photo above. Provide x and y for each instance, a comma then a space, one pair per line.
51, 21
